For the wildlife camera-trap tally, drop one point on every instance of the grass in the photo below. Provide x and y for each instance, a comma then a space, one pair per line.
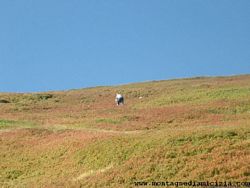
197, 95
176, 130
157, 156
11, 124
232, 107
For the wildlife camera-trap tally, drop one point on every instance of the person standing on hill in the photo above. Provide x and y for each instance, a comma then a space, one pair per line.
119, 99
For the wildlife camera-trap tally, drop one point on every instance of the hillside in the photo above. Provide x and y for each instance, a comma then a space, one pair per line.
175, 130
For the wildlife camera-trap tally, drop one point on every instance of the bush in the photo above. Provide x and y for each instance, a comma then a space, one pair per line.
4, 101
43, 96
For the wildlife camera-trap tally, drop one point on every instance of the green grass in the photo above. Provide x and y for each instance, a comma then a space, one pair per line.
157, 156
232, 107
117, 120
112, 151
197, 96
108, 120
11, 124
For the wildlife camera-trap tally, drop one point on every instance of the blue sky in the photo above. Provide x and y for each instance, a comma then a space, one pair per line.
61, 44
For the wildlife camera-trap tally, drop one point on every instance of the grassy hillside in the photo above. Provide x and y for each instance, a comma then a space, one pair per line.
177, 130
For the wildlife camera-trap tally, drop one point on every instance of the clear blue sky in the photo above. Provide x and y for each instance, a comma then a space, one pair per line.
66, 44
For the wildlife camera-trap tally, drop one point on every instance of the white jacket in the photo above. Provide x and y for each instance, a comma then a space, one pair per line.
118, 96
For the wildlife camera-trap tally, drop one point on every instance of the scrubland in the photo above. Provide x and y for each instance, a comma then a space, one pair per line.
175, 130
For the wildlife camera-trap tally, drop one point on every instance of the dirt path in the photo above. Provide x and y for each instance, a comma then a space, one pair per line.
112, 131
93, 172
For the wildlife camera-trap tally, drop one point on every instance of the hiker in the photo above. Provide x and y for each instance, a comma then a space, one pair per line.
119, 99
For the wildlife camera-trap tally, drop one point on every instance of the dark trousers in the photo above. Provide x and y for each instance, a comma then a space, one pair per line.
120, 101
